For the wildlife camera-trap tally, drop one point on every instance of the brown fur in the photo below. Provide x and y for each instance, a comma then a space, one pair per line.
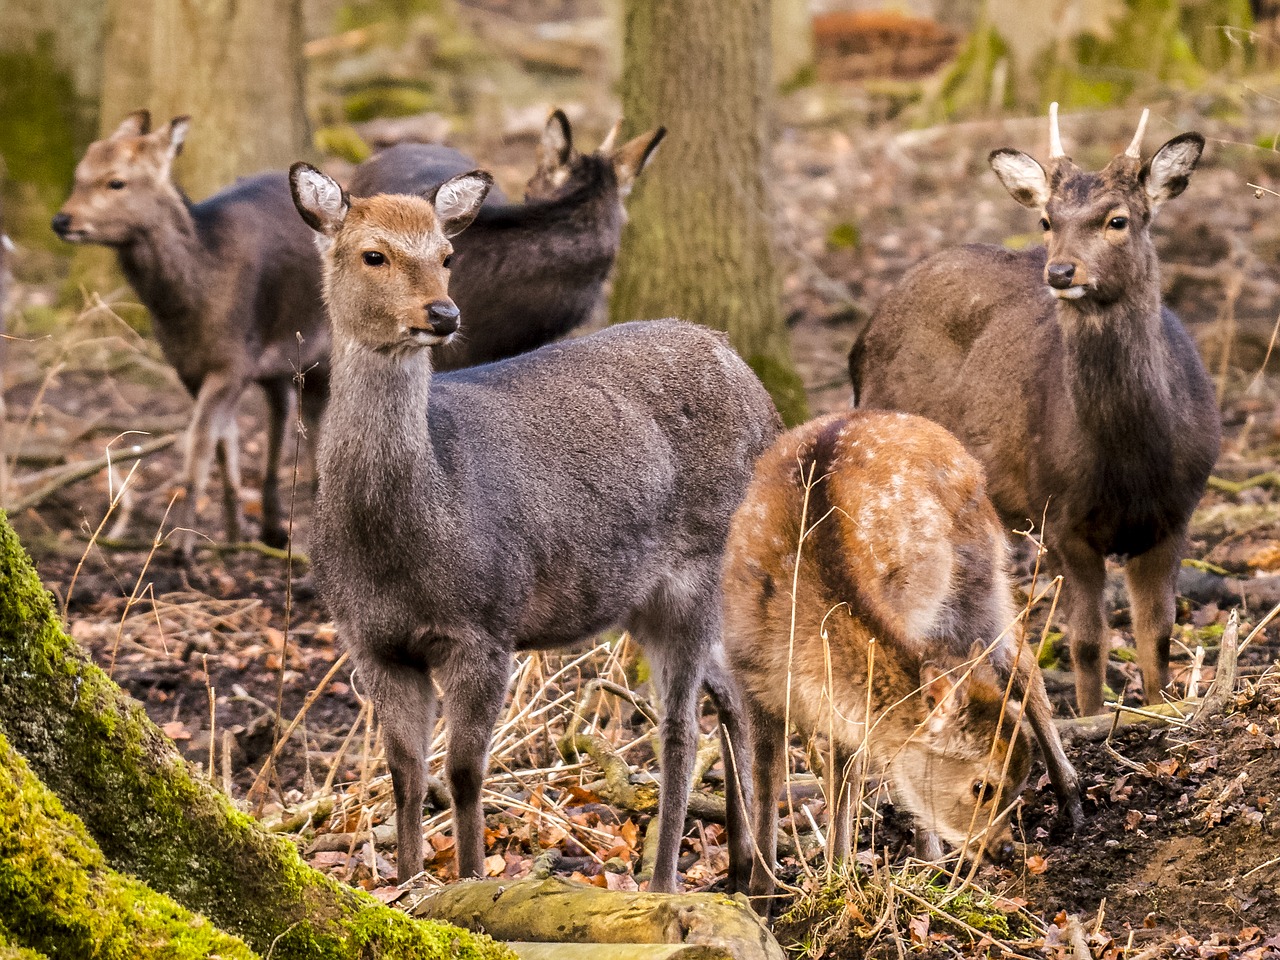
902, 571
1086, 402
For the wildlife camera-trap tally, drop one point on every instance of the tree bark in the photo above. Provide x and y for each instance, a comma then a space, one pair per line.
109, 765
792, 34
699, 244
237, 69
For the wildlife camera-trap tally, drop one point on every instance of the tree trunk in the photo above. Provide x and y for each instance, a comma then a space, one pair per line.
556, 909
237, 69
792, 33
699, 244
108, 764
126, 61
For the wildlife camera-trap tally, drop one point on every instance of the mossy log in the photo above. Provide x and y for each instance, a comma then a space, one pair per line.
556, 910
57, 893
93, 746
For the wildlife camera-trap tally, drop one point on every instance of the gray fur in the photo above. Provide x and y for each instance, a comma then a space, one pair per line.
529, 504
1095, 413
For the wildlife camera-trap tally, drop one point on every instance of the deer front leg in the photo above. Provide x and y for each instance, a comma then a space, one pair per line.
845, 780
232, 492
1085, 572
215, 408
279, 406
1153, 580
475, 686
404, 700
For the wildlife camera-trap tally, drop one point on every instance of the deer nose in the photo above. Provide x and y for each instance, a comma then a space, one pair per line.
443, 317
60, 223
1002, 852
1060, 275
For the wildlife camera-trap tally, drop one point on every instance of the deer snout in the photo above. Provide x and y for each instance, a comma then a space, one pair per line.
1060, 276
442, 315
61, 223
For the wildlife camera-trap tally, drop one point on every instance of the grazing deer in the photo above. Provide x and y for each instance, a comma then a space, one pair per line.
233, 287
1083, 398
526, 274
519, 505
867, 599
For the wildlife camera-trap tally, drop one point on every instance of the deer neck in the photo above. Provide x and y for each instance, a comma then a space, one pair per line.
166, 264
376, 432
1116, 361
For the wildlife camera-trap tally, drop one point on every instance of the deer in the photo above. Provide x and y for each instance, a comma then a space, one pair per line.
526, 274
867, 600
1084, 399
233, 287
526, 504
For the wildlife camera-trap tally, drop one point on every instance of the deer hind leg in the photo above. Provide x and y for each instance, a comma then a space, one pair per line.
404, 700
215, 409
735, 744
769, 769
279, 406
228, 451
1085, 572
1153, 578
475, 686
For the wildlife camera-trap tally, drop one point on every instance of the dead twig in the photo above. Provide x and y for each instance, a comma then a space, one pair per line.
82, 471
1223, 688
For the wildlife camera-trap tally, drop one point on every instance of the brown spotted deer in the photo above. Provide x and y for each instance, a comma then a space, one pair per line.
525, 274
899, 638
233, 287
519, 505
1084, 399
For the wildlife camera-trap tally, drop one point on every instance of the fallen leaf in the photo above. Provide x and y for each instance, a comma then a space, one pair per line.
176, 730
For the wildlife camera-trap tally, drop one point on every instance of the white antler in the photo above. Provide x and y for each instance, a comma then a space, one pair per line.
1055, 138
1135, 148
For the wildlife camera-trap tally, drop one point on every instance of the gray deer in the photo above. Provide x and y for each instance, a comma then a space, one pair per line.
1083, 398
519, 505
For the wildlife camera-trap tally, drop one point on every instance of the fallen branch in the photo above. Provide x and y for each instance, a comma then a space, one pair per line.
82, 471
1270, 480
1222, 690
1102, 725
558, 910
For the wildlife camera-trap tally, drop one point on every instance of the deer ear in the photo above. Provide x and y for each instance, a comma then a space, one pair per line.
174, 135
321, 202
136, 124
944, 696
556, 146
457, 201
1169, 171
633, 156
1022, 176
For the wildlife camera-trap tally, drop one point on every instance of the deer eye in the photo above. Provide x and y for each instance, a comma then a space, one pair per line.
372, 258
983, 792
447, 262
116, 184
1045, 225
1118, 223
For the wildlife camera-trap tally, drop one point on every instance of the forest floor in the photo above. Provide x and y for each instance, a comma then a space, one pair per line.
1178, 855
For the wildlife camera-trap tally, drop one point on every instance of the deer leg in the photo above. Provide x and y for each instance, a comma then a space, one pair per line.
279, 406
1029, 686
1152, 578
846, 773
768, 762
228, 452
1085, 571
475, 688
404, 700
215, 406
735, 743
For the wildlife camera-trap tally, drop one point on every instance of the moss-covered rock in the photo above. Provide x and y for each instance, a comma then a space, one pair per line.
95, 748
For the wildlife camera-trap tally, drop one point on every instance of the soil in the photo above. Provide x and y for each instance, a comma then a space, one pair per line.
1184, 850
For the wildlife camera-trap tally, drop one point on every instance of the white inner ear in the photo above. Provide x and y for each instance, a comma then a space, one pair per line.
177, 137
1172, 161
320, 195
1023, 177
457, 198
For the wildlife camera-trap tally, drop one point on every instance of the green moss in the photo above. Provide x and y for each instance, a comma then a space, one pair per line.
341, 140
844, 236
387, 101
784, 385
58, 895
95, 748
1052, 649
